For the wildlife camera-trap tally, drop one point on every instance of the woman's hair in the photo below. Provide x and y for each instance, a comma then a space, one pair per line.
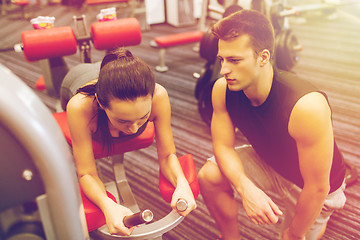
122, 76
247, 22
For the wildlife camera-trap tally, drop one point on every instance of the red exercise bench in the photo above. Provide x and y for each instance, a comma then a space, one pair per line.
173, 40
95, 2
135, 6
96, 219
22, 4
47, 44
107, 3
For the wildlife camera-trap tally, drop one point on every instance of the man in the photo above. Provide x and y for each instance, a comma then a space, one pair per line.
288, 123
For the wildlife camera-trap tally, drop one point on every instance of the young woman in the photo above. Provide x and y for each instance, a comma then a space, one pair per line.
119, 104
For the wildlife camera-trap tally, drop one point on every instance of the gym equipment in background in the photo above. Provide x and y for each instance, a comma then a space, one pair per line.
173, 40
50, 45
180, 12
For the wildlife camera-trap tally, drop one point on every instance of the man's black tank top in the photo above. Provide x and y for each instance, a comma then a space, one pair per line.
266, 127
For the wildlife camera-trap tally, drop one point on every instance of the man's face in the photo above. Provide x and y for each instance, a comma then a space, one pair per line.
239, 64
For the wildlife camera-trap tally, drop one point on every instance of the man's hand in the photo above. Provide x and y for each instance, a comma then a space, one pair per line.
259, 207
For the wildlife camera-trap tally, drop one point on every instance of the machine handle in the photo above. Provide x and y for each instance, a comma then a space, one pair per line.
181, 205
138, 218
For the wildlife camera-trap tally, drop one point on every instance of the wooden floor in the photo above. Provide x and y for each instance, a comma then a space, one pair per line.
330, 60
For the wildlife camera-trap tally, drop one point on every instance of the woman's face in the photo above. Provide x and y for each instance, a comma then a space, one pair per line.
128, 116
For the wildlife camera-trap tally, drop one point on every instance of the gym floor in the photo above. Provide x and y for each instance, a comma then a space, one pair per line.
330, 59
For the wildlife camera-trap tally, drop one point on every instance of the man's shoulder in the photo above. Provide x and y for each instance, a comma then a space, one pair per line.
219, 87
285, 75
220, 83
290, 80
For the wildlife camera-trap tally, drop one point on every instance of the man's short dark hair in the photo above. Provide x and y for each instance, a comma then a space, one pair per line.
247, 22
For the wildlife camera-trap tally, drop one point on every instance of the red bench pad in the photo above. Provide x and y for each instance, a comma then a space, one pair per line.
48, 43
40, 84
188, 167
144, 140
20, 2
178, 39
95, 218
117, 33
95, 2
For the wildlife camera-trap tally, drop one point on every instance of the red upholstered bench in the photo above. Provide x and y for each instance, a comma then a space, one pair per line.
44, 44
172, 40
95, 2
188, 166
40, 84
94, 217
142, 141
57, 42
22, 5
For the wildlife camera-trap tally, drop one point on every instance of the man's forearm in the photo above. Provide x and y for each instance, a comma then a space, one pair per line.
232, 168
308, 208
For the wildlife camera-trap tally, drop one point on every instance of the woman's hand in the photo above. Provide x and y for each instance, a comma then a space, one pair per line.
183, 191
114, 215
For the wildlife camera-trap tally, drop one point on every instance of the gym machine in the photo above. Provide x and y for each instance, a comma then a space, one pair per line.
49, 46
41, 198
38, 179
55, 43
103, 35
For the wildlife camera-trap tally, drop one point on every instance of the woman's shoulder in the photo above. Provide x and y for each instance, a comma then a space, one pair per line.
160, 94
159, 90
81, 111
160, 103
81, 104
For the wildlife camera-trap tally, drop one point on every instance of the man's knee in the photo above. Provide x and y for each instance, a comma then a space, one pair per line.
206, 171
210, 176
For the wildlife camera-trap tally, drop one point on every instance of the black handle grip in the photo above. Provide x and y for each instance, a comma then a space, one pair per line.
138, 218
